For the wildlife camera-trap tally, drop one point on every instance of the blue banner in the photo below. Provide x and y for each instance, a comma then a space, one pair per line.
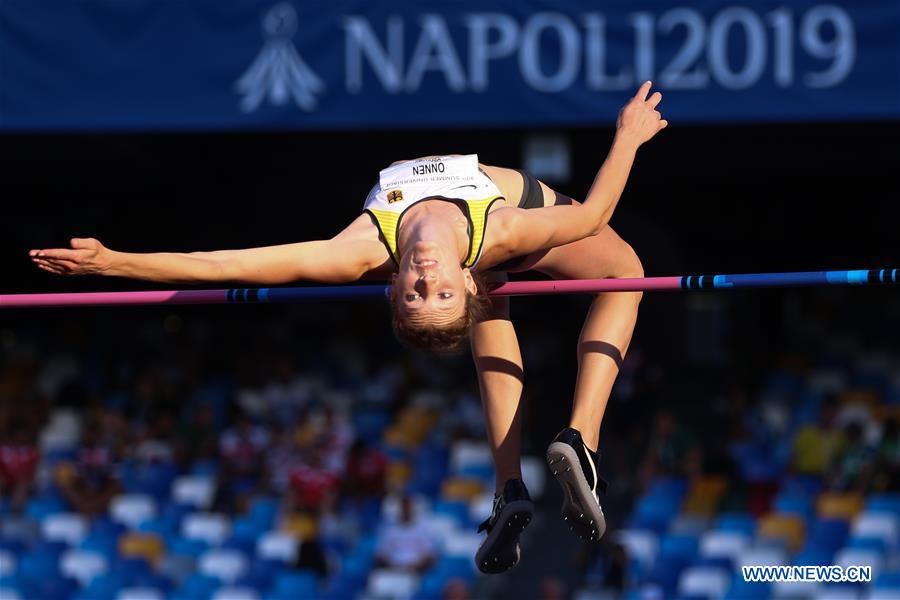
297, 64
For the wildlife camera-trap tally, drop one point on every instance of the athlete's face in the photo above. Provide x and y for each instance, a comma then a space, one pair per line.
430, 286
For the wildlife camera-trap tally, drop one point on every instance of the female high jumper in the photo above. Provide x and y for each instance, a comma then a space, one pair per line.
434, 226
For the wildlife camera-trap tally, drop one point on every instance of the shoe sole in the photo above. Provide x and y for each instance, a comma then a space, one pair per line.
580, 509
500, 550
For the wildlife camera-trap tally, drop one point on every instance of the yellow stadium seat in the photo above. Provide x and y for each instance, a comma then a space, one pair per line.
789, 528
398, 473
839, 505
302, 526
148, 546
704, 495
461, 488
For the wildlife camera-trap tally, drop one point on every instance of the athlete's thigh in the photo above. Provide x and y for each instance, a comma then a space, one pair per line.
602, 255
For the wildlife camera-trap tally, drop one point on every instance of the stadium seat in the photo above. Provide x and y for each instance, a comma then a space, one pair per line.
198, 587
41, 507
132, 509
689, 524
277, 546
140, 593
70, 528
82, 565
787, 528
212, 528
704, 494
885, 526
295, 584
264, 511
828, 534
7, 563
640, 545
854, 557
462, 544
226, 565
236, 593
762, 556
789, 590
719, 543
534, 474
462, 489
747, 590
839, 505
196, 491
887, 503
181, 546
146, 546
707, 582
386, 583
458, 510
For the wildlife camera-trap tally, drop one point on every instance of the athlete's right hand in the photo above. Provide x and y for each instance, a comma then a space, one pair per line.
639, 120
87, 256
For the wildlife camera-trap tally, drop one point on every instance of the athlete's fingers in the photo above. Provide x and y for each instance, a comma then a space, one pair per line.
61, 253
654, 99
658, 114
643, 90
663, 124
56, 263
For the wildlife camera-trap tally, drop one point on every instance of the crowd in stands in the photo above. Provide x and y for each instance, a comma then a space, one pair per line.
168, 463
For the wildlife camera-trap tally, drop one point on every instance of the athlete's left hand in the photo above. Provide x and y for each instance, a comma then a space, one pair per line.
639, 120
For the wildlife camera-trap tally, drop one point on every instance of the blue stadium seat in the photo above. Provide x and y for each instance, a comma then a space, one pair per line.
43, 506
453, 508
263, 511
182, 546
802, 485
746, 590
827, 534
106, 527
813, 555
667, 486
868, 543
293, 585
884, 503
198, 587
739, 522
260, 574
102, 544
887, 580
37, 565
795, 504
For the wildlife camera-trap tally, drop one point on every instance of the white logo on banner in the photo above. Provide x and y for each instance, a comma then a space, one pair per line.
279, 72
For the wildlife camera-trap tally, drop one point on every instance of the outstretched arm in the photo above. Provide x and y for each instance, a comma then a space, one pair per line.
526, 231
343, 258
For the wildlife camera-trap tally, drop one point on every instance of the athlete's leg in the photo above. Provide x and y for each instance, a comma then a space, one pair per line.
495, 349
607, 330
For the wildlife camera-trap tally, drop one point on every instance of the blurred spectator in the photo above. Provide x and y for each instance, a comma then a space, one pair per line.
551, 588
407, 544
91, 482
668, 446
335, 436
243, 449
817, 444
366, 471
887, 471
311, 480
854, 466
156, 443
19, 458
614, 577
456, 589
197, 438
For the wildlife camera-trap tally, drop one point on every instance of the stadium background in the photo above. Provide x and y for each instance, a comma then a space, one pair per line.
736, 375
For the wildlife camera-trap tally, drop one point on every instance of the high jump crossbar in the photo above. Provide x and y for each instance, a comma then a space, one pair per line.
869, 277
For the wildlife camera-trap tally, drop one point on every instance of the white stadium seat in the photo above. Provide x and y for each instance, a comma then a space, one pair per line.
397, 585
640, 545
236, 593
277, 546
132, 509
711, 582
194, 490
64, 527
140, 593
83, 565
723, 544
225, 565
212, 528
